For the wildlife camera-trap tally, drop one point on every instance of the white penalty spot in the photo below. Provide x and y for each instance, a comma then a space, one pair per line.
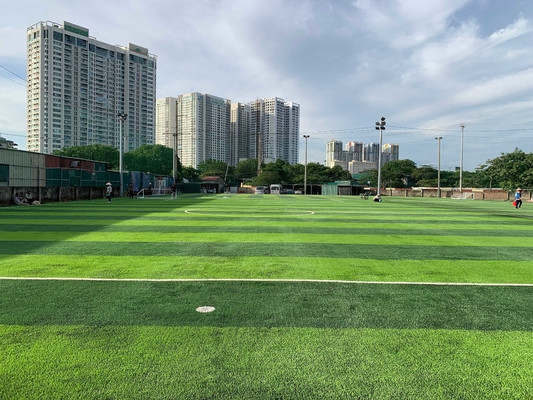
205, 309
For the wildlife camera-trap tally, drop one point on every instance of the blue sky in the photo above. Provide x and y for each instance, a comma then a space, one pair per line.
427, 66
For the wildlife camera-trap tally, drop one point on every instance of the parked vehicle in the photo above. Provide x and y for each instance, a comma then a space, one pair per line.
260, 190
276, 189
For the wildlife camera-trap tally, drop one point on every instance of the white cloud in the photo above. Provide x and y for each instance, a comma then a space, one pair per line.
417, 62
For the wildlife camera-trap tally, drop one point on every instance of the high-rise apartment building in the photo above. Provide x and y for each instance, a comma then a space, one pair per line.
203, 126
354, 151
166, 121
391, 152
359, 157
210, 127
334, 152
275, 124
241, 137
77, 85
371, 152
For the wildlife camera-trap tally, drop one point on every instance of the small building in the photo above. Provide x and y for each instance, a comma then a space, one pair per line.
212, 184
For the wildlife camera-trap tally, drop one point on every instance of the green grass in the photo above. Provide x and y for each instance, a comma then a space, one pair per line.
123, 338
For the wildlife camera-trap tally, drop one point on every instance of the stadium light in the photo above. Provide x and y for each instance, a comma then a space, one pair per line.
121, 119
438, 169
305, 165
380, 125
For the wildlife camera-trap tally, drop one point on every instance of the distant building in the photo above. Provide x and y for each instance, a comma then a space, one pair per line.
203, 126
77, 85
354, 151
334, 152
210, 127
358, 157
241, 137
356, 167
371, 152
391, 152
165, 117
9, 144
275, 124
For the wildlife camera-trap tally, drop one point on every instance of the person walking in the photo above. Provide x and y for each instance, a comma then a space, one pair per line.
518, 198
108, 191
173, 190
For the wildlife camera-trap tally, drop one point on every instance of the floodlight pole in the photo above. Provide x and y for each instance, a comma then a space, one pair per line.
461, 160
305, 165
175, 158
380, 125
438, 169
121, 118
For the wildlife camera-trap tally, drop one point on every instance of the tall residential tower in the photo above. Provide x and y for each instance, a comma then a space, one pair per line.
77, 85
166, 121
203, 128
276, 125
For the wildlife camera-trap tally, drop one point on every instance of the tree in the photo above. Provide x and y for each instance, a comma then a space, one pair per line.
511, 170
336, 173
397, 173
156, 159
190, 173
213, 168
426, 176
246, 169
266, 178
94, 152
279, 168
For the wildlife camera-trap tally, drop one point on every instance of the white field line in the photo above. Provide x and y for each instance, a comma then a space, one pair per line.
263, 280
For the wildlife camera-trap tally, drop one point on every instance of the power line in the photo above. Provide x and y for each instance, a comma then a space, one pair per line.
18, 76
12, 80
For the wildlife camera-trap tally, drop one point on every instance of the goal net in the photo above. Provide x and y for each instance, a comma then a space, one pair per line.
463, 196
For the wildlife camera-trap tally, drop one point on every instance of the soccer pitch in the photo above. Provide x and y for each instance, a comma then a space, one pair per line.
314, 296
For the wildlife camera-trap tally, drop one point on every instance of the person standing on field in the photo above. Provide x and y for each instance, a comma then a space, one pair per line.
108, 191
130, 190
518, 198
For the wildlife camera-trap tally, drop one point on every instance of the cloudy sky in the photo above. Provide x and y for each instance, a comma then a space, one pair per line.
428, 66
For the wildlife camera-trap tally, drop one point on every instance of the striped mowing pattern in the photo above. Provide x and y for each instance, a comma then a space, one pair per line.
297, 284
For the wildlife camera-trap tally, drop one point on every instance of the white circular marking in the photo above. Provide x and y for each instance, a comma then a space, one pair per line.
205, 309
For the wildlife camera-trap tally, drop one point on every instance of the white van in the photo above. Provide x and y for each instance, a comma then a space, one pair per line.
275, 189
260, 190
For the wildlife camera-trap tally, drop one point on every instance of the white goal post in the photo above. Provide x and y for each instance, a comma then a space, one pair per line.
463, 196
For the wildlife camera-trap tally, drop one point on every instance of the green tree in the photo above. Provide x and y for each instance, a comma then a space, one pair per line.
279, 168
266, 178
336, 173
426, 176
246, 169
214, 168
156, 159
191, 174
397, 173
94, 152
511, 170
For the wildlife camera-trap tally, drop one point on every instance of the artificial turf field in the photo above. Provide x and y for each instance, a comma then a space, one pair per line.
315, 297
